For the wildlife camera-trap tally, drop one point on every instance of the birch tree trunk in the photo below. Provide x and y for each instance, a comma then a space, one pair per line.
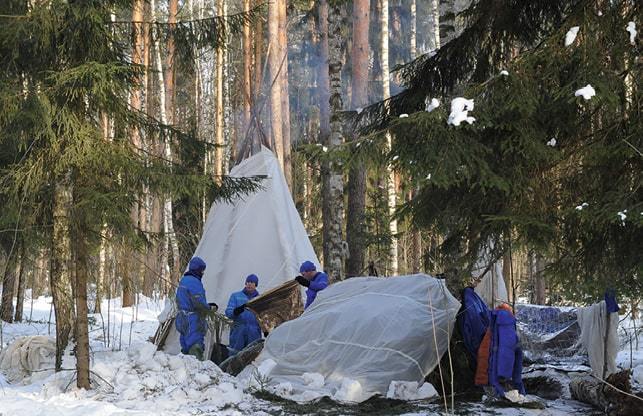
355, 232
390, 183
274, 64
435, 13
335, 261
323, 87
60, 273
247, 64
219, 110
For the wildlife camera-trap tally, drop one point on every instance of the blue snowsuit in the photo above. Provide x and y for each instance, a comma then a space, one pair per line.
190, 320
245, 328
319, 282
505, 358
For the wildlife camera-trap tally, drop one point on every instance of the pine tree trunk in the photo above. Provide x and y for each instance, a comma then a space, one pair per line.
274, 67
60, 272
81, 324
8, 285
355, 225
285, 103
323, 85
539, 282
335, 261
22, 277
390, 183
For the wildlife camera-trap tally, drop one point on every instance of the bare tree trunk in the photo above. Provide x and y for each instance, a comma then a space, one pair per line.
274, 67
60, 272
167, 205
285, 100
247, 63
138, 57
413, 46
20, 297
435, 13
390, 183
323, 85
219, 110
539, 279
335, 261
81, 324
355, 225
8, 285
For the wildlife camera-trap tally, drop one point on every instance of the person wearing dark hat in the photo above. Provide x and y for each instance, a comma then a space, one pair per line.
193, 308
245, 328
312, 279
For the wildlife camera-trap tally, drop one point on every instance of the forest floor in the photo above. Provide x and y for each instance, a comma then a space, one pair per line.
131, 378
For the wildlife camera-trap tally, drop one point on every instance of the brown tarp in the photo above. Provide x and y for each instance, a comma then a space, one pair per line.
280, 304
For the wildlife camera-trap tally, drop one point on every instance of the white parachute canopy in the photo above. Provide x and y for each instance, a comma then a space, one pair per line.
259, 233
360, 335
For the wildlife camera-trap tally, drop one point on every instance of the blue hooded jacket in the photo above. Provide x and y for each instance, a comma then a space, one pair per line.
245, 328
192, 303
319, 282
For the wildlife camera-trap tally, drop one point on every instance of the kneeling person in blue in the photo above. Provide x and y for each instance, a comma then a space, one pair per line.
193, 308
312, 279
245, 328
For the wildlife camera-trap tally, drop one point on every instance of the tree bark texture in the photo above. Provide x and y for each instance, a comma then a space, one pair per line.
9, 284
323, 87
355, 224
22, 277
335, 261
60, 272
274, 64
285, 96
81, 328
390, 182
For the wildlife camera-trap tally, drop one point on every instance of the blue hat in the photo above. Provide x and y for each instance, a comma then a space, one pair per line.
307, 266
196, 265
253, 278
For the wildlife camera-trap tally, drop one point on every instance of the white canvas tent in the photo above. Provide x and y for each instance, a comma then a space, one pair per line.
259, 233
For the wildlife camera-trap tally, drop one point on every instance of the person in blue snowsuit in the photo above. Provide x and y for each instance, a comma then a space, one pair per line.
193, 308
312, 279
245, 328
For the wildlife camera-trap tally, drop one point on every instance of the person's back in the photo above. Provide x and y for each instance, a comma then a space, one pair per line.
192, 305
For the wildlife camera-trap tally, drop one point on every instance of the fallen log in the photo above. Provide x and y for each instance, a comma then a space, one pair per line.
614, 396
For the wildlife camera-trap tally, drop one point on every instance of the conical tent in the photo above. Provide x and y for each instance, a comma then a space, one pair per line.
259, 233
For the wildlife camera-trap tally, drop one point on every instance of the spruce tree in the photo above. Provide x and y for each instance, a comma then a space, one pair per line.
541, 166
63, 65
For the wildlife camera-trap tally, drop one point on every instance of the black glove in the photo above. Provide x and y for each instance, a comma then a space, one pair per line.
302, 281
265, 334
239, 309
213, 306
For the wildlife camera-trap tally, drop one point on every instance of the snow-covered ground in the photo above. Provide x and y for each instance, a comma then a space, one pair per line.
131, 378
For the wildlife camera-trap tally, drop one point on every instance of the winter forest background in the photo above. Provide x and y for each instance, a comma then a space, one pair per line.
120, 119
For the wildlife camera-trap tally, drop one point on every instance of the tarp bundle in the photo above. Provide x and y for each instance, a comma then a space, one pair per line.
599, 336
364, 332
26, 355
